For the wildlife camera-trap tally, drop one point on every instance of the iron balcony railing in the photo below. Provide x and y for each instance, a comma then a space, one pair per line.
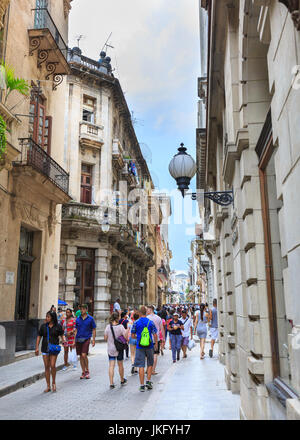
33, 155
43, 20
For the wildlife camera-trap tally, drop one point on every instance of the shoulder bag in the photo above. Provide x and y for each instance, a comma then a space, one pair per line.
120, 342
52, 348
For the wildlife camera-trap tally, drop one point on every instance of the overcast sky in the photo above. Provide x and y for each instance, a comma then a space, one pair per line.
156, 57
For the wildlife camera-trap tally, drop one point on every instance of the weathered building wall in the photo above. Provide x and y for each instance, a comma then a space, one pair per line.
257, 258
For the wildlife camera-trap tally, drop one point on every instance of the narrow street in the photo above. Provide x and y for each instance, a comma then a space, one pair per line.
198, 388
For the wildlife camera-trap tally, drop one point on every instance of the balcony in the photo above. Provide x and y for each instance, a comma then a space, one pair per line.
82, 63
162, 273
82, 212
131, 178
34, 157
90, 135
47, 42
117, 154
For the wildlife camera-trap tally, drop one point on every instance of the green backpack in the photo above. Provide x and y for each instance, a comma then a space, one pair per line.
145, 340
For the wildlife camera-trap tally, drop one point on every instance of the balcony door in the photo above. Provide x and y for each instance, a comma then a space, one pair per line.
86, 184
40, 16
85, 274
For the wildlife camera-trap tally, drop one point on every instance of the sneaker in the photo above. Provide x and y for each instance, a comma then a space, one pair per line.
64, 368
210, 353
142, 388
149, 385
124, 382
74, 367
174, 362
111, 387
132, 370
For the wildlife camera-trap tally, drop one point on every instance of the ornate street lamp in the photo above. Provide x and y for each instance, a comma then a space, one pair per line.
183, 168
105, 224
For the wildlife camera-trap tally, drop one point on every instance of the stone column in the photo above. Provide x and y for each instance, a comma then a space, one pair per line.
67, 278
130, 285
116, 275
136, 288
102, 296
124, 294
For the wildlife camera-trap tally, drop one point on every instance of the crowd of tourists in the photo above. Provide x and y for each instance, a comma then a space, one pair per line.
139, 334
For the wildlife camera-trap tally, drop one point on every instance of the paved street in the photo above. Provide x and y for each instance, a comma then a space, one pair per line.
198, 387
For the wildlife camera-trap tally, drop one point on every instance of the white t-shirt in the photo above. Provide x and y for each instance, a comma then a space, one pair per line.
116, 307
187, 322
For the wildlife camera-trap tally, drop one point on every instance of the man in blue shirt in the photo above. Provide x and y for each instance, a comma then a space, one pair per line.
85, 328
144, 352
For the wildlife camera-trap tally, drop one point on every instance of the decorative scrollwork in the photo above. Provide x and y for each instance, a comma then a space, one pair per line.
34, 44
57, 80
42, 56
51, 68
223, 198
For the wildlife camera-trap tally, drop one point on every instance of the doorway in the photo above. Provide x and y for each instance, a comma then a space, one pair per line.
23, 286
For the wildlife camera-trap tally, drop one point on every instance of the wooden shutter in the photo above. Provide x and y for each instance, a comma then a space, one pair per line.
48, 134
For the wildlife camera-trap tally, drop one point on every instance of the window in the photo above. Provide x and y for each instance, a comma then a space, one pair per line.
40, 125
280, 326
86, 184
89, 109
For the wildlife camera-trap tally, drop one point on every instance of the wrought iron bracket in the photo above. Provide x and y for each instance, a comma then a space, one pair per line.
223, 198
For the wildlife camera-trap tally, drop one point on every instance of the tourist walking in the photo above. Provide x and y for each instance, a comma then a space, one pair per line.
113, 332
50, 331
174, 328
60, 315
187, 331
160, 329
213, 326
201, 320
143, 330
117, 307
168, 320
132, 342
69, 327
85, 329
124, 321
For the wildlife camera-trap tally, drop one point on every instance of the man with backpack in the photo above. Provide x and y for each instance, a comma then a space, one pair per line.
142, 330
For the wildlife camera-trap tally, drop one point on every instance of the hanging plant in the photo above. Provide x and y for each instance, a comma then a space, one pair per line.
2, 139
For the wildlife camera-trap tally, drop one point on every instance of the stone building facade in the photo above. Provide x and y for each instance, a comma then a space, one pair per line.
33, 184
107, 171
251, 144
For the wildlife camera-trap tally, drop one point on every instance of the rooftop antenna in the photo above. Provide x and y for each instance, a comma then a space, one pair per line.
106, 45
78, 38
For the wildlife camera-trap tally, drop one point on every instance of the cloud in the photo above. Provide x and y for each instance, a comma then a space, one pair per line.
154, 43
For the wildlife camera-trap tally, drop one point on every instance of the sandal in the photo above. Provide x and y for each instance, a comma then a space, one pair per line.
47, 390
83, 375
87, 374
54, 388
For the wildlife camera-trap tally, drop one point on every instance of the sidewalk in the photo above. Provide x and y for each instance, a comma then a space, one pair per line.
23, 373
197, 388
